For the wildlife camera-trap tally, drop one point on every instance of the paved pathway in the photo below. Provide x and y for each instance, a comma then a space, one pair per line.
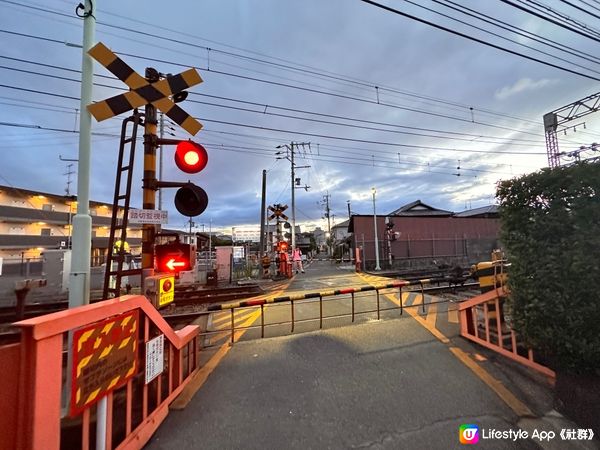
397, 383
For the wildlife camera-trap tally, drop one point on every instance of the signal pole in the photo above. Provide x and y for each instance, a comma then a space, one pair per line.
149, 180
160, 161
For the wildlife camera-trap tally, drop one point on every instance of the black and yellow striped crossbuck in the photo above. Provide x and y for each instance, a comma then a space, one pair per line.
143, 92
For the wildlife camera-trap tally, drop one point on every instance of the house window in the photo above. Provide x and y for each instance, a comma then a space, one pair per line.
45, 232
47, 207
16, 230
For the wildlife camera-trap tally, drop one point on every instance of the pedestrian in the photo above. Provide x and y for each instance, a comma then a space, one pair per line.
297, 259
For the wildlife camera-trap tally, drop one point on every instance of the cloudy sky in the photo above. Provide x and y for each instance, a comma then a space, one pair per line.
384, 100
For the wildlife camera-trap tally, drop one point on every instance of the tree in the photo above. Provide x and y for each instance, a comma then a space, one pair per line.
550, 227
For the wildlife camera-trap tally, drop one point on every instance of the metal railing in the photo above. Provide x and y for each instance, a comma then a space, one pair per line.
484, 321
132, 412
289, 301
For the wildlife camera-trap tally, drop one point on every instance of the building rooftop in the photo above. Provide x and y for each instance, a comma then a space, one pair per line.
419, 209
484, 211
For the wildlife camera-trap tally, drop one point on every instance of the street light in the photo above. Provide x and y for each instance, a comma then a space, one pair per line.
377, 267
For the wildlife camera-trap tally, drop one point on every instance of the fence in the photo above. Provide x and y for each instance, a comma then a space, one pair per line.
260, 303
416, 253
24, 267
483, 320
34, 411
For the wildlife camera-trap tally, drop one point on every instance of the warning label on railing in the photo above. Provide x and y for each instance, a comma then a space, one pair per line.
104, 358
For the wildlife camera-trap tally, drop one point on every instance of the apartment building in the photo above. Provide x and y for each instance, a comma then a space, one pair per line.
32, 221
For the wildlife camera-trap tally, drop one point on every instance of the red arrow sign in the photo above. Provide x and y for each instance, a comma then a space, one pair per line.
172, 263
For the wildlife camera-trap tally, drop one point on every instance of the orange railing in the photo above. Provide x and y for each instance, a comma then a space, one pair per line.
40, 397
483, 320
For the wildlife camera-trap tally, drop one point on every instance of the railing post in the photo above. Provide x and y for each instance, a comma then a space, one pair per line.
292, 308
400, 296
262, 320
378, 316
422, 297
39, 392
320, 311
232, 324
499, 323
352, 293
486, 319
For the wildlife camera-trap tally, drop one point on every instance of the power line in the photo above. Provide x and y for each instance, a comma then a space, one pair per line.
561, 16
480, 41
498, 35
521, 31
548, 19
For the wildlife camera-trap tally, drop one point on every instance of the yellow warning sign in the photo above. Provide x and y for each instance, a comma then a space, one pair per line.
104, 358
166, 291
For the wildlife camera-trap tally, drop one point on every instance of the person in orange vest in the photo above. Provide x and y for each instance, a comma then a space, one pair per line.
297, 259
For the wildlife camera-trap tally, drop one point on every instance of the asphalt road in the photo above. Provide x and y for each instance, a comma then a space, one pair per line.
387, 384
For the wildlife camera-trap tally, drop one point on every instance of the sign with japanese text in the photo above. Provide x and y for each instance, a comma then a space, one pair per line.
150, 216
155, 357
104, 358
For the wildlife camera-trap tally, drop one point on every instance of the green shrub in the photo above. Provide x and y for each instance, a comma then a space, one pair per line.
551, 232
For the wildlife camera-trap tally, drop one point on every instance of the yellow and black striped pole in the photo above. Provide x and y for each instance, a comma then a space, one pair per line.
149, 180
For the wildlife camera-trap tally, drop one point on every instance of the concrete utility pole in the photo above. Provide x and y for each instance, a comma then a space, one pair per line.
328, 215
290, 157
79, 280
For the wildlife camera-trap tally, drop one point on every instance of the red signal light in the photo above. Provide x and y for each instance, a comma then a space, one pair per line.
190, 157
173, 257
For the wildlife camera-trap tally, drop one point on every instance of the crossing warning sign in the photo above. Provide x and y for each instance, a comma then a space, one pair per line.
104, 358
143, 92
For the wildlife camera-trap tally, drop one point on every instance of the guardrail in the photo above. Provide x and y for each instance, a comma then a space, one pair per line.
54, 403
399, 284
483, 320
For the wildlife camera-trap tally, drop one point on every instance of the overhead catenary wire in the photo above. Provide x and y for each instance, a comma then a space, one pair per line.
316, 91
263, 112
348, 79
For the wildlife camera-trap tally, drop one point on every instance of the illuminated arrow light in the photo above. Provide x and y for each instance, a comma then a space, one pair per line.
172, 264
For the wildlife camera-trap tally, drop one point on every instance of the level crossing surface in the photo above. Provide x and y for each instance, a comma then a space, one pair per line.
397, 383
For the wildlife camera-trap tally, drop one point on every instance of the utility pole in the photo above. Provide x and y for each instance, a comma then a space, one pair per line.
79, 280
295, 182
328, 216
191, 224
263, 208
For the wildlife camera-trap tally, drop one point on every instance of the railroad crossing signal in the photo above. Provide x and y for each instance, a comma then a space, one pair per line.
175, 257
277, 211
143, 92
